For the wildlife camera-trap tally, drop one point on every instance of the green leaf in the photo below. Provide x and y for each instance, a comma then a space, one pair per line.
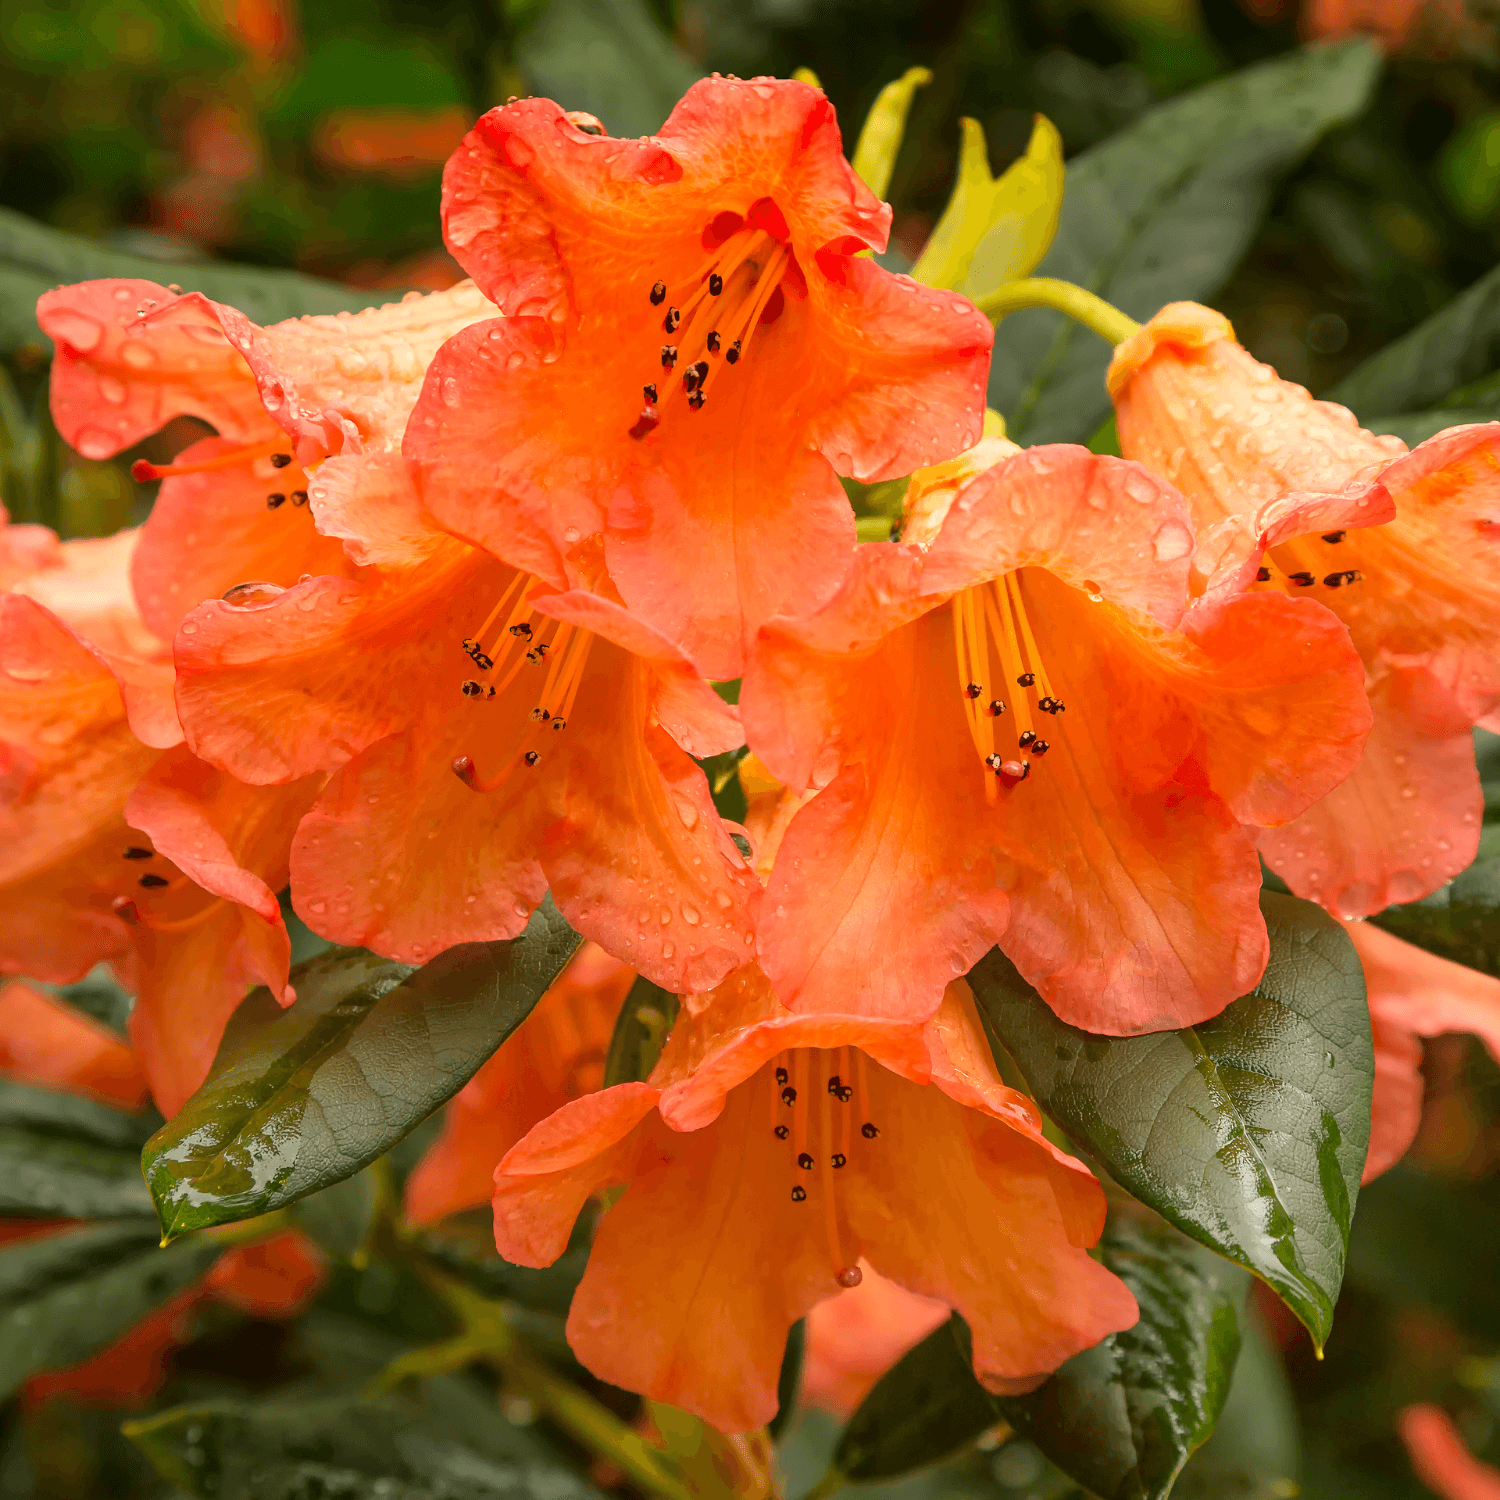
302, 1098
926, 1406
35, 258
1461, 920
341, 1218
610, 58
641, 1030
1454, 348
65, 1296
463, 1244
1248, 1132
879, 143
1123, 1417
789, 1380
1163, 211
395, 1449
65, 1156
995, 230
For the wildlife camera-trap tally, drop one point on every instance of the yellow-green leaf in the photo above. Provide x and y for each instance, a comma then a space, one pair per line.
996, 230
880, 140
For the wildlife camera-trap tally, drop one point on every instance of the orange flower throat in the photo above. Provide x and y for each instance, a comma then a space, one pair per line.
995, 648
729, 295
813, 1097
1310, 561
524, 639
154, 900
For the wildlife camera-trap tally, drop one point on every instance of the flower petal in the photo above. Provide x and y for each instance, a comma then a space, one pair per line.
46, 1041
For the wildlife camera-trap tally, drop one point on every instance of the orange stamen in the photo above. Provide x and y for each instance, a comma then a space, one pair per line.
143, 470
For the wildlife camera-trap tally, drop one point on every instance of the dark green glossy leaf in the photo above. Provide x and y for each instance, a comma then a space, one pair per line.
789, 1381
65, 1156
926, 1406
1163, 211
608, 57
1123, 1417
302, 1098
1248, 1132
463, 1244
342, 1218
1461, 920
641, 1031
65, 1296
35, 258
1430, 367
395, 1449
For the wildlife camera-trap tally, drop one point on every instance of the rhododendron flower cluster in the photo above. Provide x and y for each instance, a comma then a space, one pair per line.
450, 612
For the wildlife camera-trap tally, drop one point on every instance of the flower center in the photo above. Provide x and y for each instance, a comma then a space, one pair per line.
1001, 678
818, 1104
1309, 562
714, 313
525, 639
153, 892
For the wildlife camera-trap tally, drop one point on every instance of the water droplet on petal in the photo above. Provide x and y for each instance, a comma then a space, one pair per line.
255, 595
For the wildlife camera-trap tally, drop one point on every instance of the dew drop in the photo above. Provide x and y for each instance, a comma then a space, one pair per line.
81, 332
254, 595
690, 916
667, 950
137, 355
112, 390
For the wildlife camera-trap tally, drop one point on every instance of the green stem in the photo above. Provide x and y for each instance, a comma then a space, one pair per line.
1044, 291
829, 1484
595, 1426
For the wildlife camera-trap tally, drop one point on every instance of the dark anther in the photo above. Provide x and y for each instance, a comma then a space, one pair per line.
647, 421
299, 497
799, 1194
734, 353
715, 283
996, 708
1026, 679
523, 630
781, 1075
280, 460
789, 1095
699, 372
992, 761
1263, 574
713, 341
649, 392
1333, 536
782, 1132
540, 715
275, 500
869, 1131
973, 690
531, 757
658, 294
668, 356
1028, 737
1302, 580
556, 723
839, 1160
805, 1161
695, 401
136, 852
672, 319
845, 1094
472, 689
1050, 705
1338, 580
1014, 772
153, 882
1041, 747
834, 1085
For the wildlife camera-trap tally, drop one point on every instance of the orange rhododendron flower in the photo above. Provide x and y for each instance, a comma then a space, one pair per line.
556, 1054
1404, 547
567, 721
48, 1042
1023, 736
854, 1338
1413, 994
770, 1152
1442, 1459
112, 848
694, 346
132, 355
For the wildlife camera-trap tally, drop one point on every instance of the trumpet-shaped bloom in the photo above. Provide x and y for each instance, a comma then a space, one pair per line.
1023, 736
765, 1157
1414, 994
693, 348
489, 738
112, 849
1441, 1459
1403, 547
232, 509
556, 1054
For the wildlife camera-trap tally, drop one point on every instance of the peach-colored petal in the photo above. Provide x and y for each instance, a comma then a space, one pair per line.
273, 1278
1441, 1459
47, 1041
1396, 1098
